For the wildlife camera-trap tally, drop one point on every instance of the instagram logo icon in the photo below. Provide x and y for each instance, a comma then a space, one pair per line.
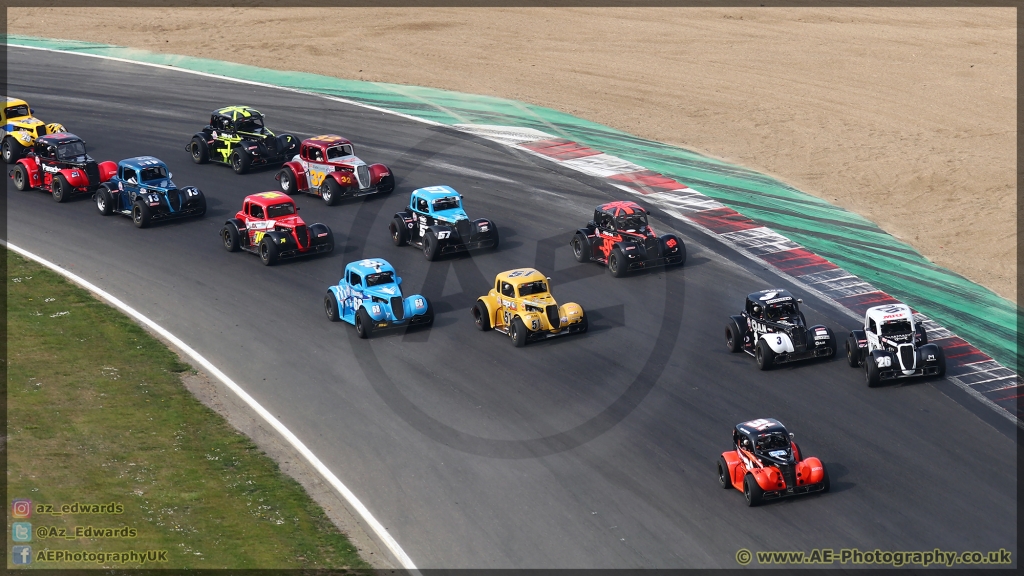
21, 508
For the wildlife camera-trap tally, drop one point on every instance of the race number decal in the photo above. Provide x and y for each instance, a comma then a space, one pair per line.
317, 178
759, 424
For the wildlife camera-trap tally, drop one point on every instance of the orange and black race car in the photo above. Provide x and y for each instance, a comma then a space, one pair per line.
766, 464
620, 238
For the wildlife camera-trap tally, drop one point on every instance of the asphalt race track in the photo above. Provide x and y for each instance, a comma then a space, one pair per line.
586, 451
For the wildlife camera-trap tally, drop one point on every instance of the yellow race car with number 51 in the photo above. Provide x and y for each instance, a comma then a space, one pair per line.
521, 306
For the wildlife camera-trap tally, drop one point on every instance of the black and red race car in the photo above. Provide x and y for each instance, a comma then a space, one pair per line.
58, 163
766, 464
620, 237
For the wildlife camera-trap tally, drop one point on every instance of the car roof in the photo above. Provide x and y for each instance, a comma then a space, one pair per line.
622, 207
270, 198
771, 296
763, 426
58, 138
370, 266
235, 111
520, 275
890, 312
435, 192
326, 140
15, 101
140, 162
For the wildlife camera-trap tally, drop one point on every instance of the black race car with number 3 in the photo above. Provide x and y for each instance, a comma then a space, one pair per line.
773, 330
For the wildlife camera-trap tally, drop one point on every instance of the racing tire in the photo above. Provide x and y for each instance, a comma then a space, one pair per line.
723, 474
386, 184
268, 251
852, 352
797, 454
140, 214
941, 359
752, 490
331, 307
494, 234
430, 246
201, 211
617, 263
21, 178
61, 188
364, 324
824, 479
764, 354
199, 151
584, 324
733, 337
518, 332
104, 201
429, 314
286, 181
330, 192
832, 342
240, 161
871, 374
682, 252
579, 249
12, 150
399, 232
229, 236
330, 240
481, 317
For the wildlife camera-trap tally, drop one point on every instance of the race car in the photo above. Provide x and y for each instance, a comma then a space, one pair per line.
20, 129
236, 136
620, 238
142, 189
436, 222
766, 464
58, 163
893, 346
327, 166
773, 330
521, 306
268, 225
368, 296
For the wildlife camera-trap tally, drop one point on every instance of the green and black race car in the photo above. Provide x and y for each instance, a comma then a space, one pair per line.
236, 136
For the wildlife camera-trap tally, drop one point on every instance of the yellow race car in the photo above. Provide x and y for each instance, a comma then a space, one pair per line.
20, 129
521, 306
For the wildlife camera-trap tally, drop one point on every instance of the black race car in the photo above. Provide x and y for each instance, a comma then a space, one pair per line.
236, 136
773, 330
620, 237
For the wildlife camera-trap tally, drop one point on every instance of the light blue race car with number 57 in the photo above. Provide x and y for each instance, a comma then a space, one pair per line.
368, 296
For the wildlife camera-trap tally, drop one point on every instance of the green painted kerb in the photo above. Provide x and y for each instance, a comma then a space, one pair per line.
852, 242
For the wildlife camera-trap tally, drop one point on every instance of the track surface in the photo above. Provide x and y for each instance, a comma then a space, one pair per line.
592, 451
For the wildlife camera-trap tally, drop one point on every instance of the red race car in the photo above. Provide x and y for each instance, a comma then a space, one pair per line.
58, 163
268, 226
766, 464
620, 237
327, 166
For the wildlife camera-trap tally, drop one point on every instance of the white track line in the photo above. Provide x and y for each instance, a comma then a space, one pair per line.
351, 498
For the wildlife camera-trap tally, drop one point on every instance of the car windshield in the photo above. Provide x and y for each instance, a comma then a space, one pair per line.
17, 111
253, 125
338, 151
447, 203
283, 209
154, 173
530, 288
70, 150
780, 311
631, 222
896, 327
380, 278
773, 441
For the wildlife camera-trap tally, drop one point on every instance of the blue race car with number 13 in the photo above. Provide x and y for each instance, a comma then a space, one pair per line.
368, 296
142, 189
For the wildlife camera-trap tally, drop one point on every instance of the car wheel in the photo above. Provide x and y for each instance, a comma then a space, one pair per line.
104, 201
399, 232
518, 332
871, 373
229, 236
140, 214
832, 342
199, 151
364, 325
852, 352
286, 180
268, 251
21, 178
61, 188
764, 354
578, 249
584, 324
941, 359
429, 313
617, 263
733, 338
481, 317
752, 490
201, 210
240, 161
12, 150
330, 191
494, 234
331, 307
723, 474
430, 246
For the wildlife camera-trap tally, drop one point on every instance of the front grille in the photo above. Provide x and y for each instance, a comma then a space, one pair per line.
397, 307
907, 356
302, 235
92, 171
174, 199
799, 338
789, 475
552, 312
463, 227
363, 175
651, 244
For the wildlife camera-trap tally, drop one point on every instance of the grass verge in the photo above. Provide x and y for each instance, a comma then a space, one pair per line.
97, 414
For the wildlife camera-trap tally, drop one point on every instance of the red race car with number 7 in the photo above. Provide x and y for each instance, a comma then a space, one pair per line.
765, 464
326, 166
620, 237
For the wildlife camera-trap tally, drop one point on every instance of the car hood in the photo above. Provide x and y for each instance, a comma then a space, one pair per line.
453, 215
350, 161
26, 122
386, 291
289, 221
159, 185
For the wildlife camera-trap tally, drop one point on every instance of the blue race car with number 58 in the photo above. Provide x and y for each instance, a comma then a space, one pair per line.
368, 296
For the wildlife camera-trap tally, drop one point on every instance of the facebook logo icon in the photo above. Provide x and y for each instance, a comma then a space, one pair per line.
21, 554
